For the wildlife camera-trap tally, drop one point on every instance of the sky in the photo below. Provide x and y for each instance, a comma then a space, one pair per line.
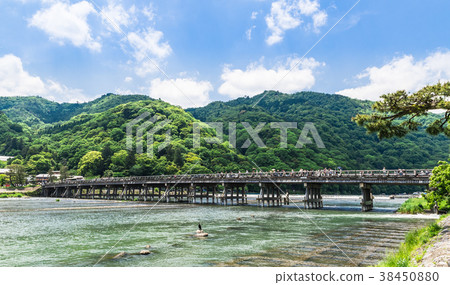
190, 53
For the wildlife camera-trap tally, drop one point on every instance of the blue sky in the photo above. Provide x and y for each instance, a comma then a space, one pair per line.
190, 53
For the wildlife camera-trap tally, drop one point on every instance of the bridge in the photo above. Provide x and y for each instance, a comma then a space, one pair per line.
230, 188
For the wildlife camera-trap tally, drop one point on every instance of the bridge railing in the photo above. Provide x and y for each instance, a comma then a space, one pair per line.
302, 174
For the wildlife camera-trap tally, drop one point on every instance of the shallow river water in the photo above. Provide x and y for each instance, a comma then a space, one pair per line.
71, 232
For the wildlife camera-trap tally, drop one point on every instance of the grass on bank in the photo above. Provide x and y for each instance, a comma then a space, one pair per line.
414, 206
12, 195
406, 255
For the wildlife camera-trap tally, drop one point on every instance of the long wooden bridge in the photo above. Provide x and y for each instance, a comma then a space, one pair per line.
230, 188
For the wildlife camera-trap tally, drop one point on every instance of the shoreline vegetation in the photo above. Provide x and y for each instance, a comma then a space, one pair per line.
13, 195
417, 242
414, 206
23, 192
418, 205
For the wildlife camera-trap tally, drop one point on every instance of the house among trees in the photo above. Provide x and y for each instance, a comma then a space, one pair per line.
42, 178
48, 177
5, 158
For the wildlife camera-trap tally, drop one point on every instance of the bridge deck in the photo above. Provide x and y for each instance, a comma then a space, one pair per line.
196, 187
390, 177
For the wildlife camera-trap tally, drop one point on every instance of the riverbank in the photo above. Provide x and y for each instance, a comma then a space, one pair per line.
20, 190
19, 193
428, 247
437, 250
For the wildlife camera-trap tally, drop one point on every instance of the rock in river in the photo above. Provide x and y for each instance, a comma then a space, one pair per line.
145, 252
120, 255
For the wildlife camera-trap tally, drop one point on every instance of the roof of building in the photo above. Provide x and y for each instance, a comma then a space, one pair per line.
42, 176
5, 158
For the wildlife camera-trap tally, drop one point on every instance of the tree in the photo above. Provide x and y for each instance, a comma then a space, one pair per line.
40, 163
130, 160
2, 179
108, 173
64, 172
398, 113
440, 183
91, 163
51, 176
17, 174
118, 160
107, 153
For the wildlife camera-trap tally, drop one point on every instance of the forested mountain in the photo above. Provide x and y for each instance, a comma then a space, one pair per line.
90, 138
13, 136
95, 143
34, 110
346, 144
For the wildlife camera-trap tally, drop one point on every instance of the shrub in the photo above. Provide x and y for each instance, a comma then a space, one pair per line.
414, 206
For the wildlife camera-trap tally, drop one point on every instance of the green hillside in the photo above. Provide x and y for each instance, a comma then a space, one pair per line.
13, 136
346, 144
105, 132
90, 138
34, 110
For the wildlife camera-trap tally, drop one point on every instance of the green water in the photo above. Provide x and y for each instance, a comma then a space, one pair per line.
43, 232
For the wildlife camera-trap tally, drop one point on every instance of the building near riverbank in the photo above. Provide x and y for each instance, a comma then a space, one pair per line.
5, 158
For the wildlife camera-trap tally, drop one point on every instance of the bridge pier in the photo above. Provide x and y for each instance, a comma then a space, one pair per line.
269, 193
114, 193
123, 193
143, 193
237, 194
166, 192
108, 192
367, 197
313, 198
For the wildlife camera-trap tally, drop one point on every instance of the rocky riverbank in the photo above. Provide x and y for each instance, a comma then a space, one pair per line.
437, 249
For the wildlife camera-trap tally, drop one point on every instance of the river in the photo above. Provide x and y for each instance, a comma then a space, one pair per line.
71, 232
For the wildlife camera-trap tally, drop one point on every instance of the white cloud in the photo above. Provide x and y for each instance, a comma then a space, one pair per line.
308, 7
248, 33
61, 93
15, 81
184, 92
319, 19
402, 73
280, 20
115, 16
128, 79
64, 22
257, 78
148, 12
287, 14
148, 43
254, 15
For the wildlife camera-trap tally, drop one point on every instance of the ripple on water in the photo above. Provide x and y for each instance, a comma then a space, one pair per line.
41, 232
